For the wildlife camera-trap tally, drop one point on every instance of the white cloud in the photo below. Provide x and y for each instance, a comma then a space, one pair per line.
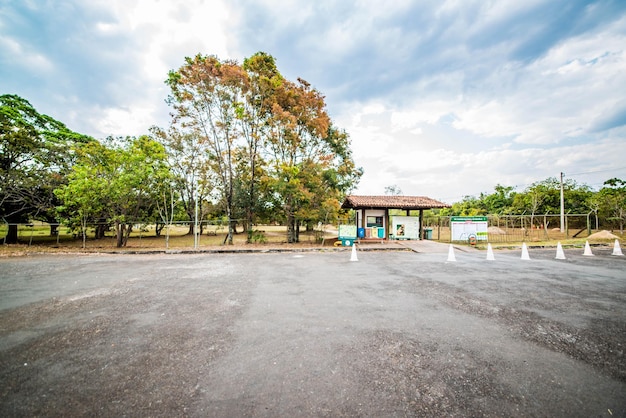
25, 57
442, 99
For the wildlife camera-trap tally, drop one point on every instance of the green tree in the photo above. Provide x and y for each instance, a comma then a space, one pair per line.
468, 206
120, 181
612, 198
35, 155
498, 202
190, 166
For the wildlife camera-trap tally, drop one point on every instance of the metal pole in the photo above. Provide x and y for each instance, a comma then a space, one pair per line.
195, 225
562, 206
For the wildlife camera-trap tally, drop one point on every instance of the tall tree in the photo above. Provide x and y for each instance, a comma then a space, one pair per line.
262, 79
264, 135
299, 127
207, 95
34, 159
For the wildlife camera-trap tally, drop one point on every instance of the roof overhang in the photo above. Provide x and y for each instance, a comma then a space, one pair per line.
392, 202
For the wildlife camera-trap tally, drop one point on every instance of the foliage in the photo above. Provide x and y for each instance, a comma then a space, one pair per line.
35, 155
268, 141
541, 197
190, 168
612, 201
117, 183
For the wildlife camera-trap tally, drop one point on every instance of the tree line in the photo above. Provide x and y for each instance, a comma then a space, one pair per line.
607, 205
244, 144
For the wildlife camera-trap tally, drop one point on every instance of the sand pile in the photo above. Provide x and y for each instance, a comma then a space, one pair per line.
495, 230
603, 235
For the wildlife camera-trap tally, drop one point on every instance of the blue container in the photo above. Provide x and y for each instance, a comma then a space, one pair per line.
360, 232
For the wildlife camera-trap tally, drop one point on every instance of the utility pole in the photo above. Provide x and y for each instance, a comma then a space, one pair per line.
562, 206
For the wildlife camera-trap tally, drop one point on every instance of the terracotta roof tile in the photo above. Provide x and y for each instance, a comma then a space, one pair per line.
392, 202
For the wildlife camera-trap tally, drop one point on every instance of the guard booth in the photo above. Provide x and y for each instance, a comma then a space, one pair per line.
374, 223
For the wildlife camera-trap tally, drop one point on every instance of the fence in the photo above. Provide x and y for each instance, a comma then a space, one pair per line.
179, 234
517, 228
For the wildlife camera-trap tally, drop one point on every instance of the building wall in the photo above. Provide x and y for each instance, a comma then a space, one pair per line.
374, 221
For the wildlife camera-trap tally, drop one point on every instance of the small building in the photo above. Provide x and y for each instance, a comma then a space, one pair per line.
374, 222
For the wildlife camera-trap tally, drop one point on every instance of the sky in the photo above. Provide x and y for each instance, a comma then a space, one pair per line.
441, 98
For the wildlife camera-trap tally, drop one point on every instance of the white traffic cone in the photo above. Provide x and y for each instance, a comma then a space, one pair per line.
617, 250
560, 255
353, 257
490, 256
587, 249
451, 256
525, 255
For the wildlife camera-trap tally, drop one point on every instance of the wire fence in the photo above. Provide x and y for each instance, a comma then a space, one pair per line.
178, 234
500, 229
519, 228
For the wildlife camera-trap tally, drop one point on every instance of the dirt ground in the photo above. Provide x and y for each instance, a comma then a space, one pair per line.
396, 333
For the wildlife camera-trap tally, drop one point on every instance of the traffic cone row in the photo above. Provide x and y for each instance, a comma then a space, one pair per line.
560, 255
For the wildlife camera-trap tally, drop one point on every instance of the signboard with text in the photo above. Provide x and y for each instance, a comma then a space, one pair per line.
463, 227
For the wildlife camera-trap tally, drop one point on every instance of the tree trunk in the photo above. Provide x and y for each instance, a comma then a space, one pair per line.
297, 230
11, 237
119, 233
292, 229
101, 228
122, 232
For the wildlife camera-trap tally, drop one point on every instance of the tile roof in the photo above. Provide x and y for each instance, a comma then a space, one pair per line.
392, 202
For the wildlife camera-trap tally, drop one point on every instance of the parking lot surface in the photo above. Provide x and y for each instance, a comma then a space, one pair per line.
396, 333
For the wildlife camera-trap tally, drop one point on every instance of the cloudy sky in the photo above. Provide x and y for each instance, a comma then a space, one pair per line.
442, 98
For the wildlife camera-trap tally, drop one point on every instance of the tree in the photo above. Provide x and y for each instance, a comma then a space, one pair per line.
262, 79
207, 95
264, 136
469, 206
82, 198
613, 201
498, 202
35, 155
189, 164
298, 141
120, 181
393, 190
